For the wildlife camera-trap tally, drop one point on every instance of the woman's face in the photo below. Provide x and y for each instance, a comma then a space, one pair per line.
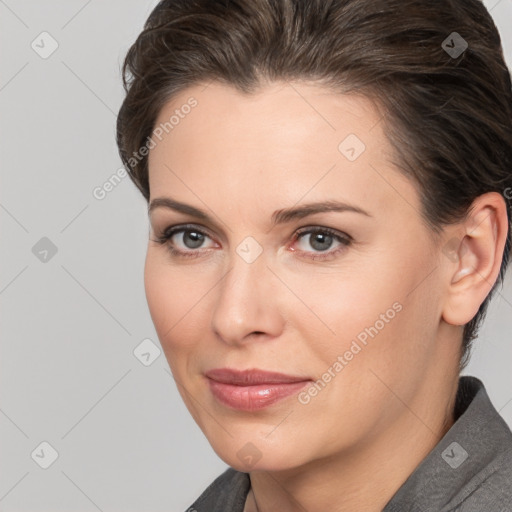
348, 298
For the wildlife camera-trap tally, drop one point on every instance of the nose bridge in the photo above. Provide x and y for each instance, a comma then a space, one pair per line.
244, 303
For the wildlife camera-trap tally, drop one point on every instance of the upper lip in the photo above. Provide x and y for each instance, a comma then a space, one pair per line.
251, 377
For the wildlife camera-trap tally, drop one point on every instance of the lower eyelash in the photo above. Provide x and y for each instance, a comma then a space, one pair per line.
183, 254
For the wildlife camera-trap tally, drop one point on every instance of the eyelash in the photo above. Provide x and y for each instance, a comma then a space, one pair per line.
345, 240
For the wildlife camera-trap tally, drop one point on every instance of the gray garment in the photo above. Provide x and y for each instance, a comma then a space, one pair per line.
469, 470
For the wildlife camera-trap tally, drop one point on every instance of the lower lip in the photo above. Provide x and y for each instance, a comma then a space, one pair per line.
253, 398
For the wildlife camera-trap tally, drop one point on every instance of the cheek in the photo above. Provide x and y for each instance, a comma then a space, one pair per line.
337, 307
176, 304
382, 341
158, 287
373, 313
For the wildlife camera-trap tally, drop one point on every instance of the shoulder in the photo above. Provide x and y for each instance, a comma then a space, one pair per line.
227, 492
491, 487
470, 469
488, 468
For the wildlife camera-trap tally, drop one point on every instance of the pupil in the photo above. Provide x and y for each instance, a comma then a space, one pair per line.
195, 239
324, 241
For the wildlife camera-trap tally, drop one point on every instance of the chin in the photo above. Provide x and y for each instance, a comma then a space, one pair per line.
258, 455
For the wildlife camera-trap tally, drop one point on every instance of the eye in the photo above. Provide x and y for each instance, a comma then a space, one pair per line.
320, 239
183, 241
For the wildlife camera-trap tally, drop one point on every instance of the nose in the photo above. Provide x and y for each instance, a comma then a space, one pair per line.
246, 303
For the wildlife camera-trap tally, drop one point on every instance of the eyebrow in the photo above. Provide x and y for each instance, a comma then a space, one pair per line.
278, 217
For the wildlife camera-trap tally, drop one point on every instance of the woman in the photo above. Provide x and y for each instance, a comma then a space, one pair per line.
327, 186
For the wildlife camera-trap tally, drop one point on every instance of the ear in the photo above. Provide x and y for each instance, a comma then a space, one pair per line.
472, 257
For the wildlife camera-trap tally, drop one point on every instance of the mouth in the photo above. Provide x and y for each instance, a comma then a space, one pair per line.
251, 390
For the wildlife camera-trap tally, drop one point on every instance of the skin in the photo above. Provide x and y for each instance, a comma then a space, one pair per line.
242, 157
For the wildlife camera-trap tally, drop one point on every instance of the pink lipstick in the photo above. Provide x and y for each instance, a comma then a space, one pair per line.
251, 390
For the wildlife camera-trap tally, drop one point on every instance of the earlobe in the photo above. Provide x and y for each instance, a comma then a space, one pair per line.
474, 263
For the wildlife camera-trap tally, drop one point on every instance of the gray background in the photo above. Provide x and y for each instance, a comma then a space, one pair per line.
70, 324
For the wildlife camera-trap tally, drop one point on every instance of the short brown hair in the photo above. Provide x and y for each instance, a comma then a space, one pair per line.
448, 115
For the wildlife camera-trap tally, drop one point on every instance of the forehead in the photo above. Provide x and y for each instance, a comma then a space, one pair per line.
297, 107
287, 140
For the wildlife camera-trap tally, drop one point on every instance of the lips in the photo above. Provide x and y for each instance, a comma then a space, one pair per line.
251, 377
250, 390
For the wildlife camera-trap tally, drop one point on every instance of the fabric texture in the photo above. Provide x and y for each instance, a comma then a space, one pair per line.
469, 470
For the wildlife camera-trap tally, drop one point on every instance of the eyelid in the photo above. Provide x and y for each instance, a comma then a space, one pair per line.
174, 228
322, 229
